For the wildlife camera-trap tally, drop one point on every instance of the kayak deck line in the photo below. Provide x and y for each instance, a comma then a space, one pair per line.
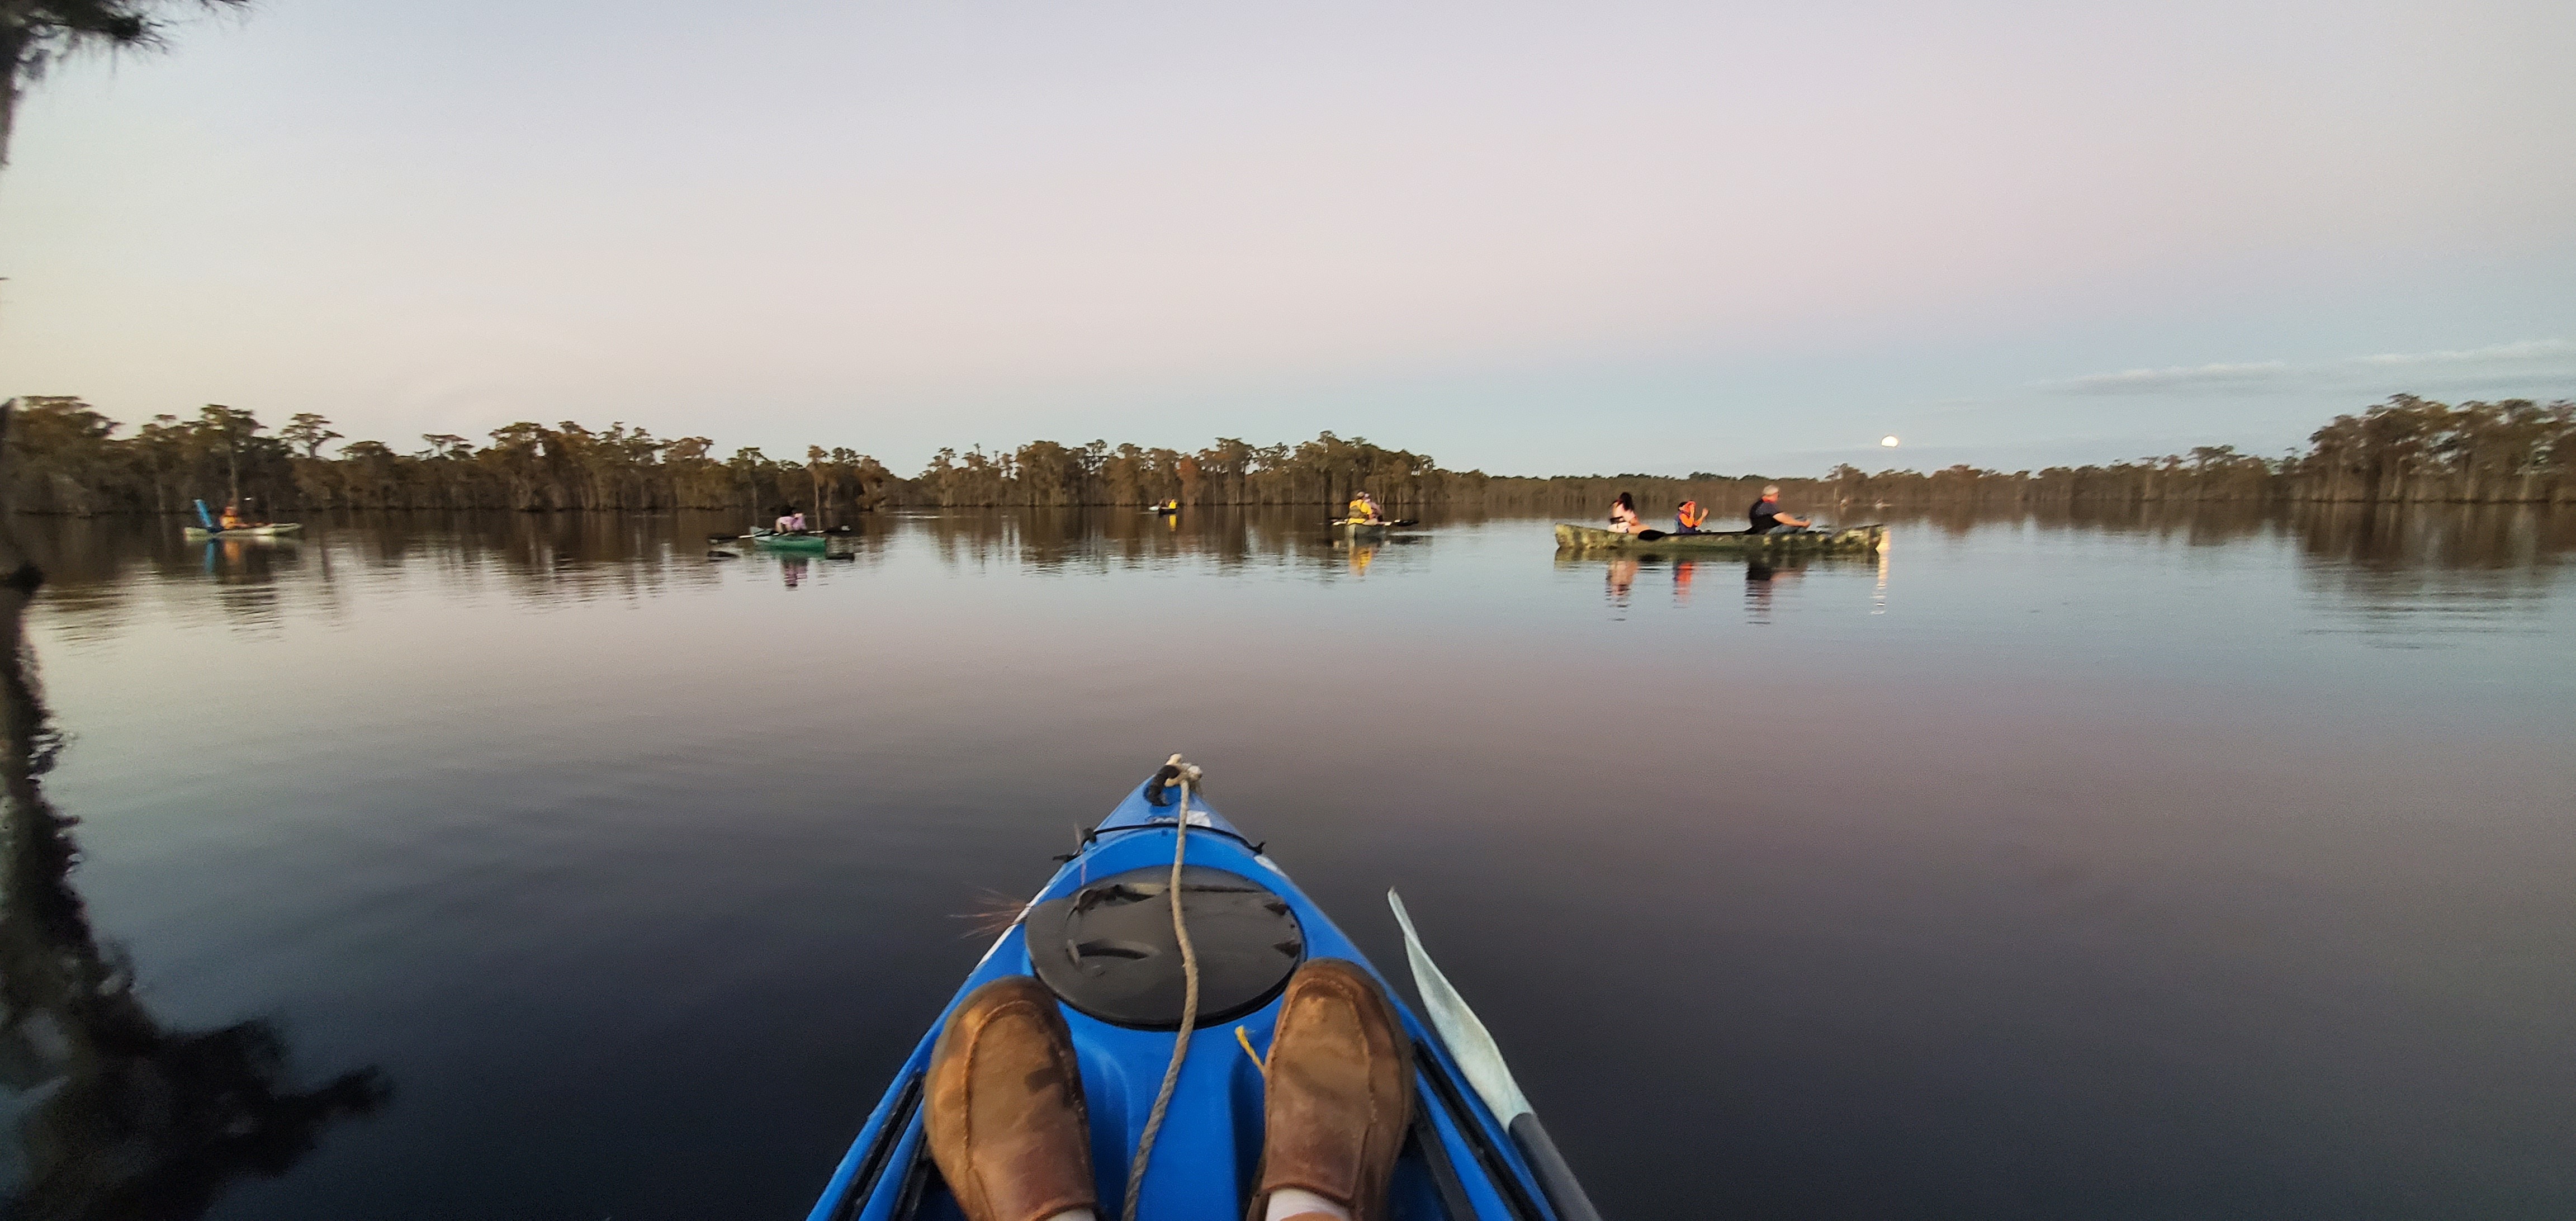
1459, 1163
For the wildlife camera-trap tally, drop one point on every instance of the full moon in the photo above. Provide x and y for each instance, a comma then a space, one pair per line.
1889, 442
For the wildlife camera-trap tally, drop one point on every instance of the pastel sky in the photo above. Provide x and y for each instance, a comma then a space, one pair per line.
1528, 238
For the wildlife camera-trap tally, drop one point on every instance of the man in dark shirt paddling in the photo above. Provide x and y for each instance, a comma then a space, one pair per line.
1767, 516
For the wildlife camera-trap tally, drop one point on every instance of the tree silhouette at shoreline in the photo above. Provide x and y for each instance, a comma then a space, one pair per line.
133, 1120
2406, 449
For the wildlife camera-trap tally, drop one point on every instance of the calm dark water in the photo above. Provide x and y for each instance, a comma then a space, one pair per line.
2188, 866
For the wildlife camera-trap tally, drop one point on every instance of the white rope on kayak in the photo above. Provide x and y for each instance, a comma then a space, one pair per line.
1189, 774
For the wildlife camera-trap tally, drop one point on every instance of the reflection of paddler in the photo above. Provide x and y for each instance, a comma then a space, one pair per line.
1623, 573
1360, 558
1758, 578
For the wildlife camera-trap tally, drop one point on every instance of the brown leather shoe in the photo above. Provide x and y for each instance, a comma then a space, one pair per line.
1003, 1109
1340, 1091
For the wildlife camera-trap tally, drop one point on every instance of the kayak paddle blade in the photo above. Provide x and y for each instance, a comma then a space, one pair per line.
1482, 1061
1467, 1039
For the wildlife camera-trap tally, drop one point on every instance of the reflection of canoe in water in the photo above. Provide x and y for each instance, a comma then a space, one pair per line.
278, 529
1098, 937
1856, 540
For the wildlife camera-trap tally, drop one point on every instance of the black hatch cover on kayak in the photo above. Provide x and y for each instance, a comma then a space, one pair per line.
1107, 949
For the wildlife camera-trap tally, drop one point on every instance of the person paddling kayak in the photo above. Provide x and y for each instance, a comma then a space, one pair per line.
1364, 508
1005, 1121
1623, 516
1767, 516
792, 521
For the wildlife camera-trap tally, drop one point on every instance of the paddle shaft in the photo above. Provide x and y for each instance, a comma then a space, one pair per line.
1554, 1176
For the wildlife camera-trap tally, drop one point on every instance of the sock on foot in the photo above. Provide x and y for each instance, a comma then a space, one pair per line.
1294, 1204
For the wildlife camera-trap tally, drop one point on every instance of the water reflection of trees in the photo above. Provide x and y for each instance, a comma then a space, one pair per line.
116, 1117
92, 563
1109, 540
559, 557
2199, 523
2376, 535
2455, 537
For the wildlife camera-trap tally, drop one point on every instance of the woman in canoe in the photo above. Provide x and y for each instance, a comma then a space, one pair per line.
1623, 516
1690, 517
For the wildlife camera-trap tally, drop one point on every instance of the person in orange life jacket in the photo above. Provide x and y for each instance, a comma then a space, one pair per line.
1690, 517
1767, 516
1623, 516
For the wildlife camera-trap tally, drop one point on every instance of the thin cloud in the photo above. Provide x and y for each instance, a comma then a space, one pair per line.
2159, 381
2502, 364
2529, 349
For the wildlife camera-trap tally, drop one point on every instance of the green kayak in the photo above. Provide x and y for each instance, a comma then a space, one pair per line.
1854, 540
789, 542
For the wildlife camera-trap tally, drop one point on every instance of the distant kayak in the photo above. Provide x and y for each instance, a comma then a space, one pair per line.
799, 541
1854, 540
1357, 526
273, 529
1099, 938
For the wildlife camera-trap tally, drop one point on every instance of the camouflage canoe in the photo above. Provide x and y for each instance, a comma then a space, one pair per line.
1856, 540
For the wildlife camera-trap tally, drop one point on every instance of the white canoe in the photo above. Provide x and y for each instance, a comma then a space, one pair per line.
271, 530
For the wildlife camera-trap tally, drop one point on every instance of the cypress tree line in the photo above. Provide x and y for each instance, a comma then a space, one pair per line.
73, 460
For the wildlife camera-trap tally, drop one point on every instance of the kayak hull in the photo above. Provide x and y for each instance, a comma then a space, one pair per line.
1460, 1163
1857, 540
813, 543
272, 530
